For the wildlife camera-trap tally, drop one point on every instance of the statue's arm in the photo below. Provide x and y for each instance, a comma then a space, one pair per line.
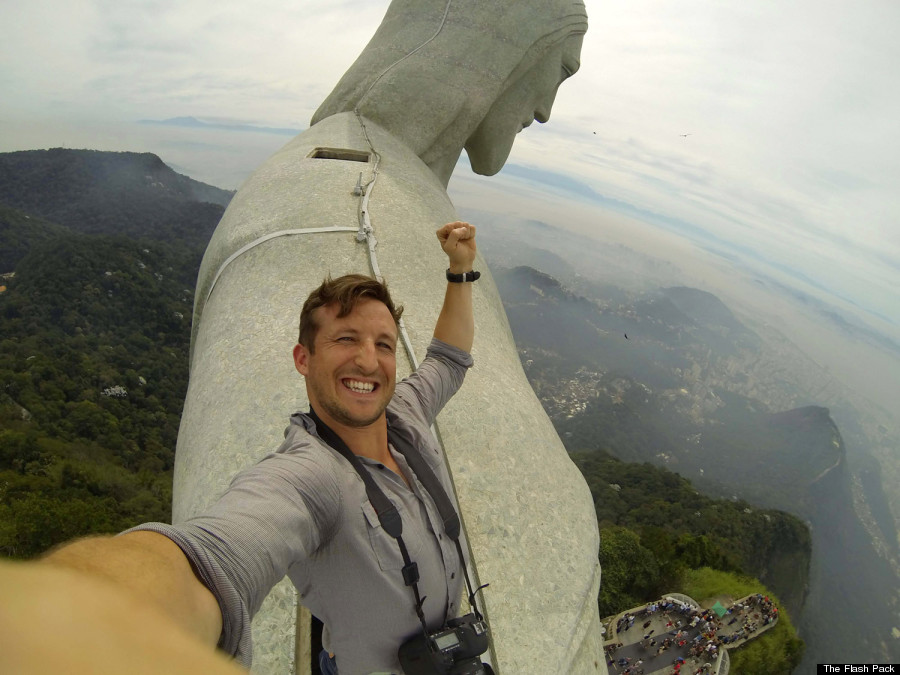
456, 322
109, 605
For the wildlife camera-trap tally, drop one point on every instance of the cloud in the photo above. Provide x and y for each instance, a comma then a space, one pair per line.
165, 59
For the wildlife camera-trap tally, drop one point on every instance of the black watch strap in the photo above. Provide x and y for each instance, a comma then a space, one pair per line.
465, 276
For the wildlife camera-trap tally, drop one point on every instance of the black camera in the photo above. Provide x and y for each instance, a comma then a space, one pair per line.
452, 650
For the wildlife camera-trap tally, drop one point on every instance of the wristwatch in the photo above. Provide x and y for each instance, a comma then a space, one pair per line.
471, 275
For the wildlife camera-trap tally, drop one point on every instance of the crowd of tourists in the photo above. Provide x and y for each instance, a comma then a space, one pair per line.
698, 634
664, 605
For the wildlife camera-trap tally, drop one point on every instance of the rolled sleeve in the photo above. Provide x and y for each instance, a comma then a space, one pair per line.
274, 515
436, 380
236, 637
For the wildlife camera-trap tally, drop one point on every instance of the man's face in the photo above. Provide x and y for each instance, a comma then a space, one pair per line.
350, 377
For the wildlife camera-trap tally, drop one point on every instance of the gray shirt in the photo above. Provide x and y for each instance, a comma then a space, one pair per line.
303, 511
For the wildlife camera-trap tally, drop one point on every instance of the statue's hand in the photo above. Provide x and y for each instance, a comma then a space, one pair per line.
458, 241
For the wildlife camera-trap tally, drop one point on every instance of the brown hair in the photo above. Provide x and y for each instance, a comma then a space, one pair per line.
345, 291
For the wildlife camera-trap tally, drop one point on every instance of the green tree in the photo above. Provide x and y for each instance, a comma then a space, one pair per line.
630, 571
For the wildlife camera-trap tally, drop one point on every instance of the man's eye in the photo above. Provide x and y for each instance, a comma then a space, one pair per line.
345, 338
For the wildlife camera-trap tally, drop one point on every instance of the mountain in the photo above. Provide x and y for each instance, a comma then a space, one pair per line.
681, 526
194, 123
704, 308
660, 393
92, 192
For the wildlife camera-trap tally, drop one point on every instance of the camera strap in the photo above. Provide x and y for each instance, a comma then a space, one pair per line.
405, 445
387, 513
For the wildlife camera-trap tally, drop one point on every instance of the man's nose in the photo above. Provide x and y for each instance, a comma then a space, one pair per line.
367, 356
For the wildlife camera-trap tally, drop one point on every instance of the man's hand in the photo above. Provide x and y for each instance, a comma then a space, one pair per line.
456, 323
458, 241
152, 566
58, 619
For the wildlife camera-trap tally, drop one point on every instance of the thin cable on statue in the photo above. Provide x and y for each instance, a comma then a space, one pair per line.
366, 232
256, 242
403, 58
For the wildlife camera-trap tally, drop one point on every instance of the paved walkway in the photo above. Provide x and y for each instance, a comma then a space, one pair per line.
633, 646
635, 640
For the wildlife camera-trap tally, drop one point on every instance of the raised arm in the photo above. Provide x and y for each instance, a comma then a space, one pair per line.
456, 322
109, 605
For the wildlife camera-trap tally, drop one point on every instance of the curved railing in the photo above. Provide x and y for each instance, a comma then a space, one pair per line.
723, 664
682, 598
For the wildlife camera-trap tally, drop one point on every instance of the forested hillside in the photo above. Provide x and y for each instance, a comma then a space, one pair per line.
94, 336
123, 193
655, 525
93, 362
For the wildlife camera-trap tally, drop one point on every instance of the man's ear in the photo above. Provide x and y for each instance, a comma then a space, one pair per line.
301, 359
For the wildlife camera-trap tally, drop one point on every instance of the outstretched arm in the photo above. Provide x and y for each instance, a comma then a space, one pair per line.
109, 605
456, 322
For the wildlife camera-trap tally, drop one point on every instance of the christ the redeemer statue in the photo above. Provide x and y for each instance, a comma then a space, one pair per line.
363, 190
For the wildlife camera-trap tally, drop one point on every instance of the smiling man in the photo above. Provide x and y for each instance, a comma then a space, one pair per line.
346, 352
159, 592
303, 510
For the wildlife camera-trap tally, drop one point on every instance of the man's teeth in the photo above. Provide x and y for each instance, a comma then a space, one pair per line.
359, 387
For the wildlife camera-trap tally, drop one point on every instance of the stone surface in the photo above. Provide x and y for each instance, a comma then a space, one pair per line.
527, 511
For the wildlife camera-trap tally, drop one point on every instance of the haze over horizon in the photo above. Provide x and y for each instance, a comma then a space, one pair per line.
752, 148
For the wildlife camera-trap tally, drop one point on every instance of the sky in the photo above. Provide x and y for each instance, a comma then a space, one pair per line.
762, 136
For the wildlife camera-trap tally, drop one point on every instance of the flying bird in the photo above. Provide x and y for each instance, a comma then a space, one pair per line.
685, 135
